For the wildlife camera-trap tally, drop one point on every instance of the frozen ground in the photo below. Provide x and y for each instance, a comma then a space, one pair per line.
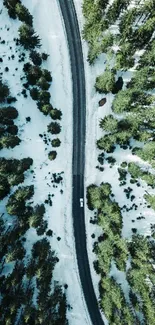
49, 26
92, 175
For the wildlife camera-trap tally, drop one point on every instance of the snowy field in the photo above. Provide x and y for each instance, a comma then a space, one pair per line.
49, 25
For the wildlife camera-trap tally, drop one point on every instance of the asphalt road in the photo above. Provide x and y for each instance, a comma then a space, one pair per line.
79, 122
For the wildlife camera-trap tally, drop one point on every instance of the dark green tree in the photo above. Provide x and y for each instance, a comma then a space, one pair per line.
28, 38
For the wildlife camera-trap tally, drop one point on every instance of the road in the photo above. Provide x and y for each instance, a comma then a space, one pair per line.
79, 125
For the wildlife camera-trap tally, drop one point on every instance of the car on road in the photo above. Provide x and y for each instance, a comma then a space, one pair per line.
81, 202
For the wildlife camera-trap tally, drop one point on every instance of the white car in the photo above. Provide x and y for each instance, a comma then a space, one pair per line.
81, 202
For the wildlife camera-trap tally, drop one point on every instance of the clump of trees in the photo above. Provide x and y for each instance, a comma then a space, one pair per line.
17, 10
136, 173
135, 107
23, 14
12, 173
142, 272
17, 287
111, 248
38, 79
8, 130
16, 203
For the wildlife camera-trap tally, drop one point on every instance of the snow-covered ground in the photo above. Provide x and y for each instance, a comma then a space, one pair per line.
49, 25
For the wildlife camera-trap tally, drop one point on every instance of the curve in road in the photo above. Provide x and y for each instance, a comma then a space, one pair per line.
79, 122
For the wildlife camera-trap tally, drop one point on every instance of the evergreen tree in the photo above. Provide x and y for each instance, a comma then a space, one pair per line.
4, 91
28, 37
105, 82
23, 14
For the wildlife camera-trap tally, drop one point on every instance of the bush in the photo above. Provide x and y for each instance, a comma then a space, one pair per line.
147, 153
107, 143
28, 37
34, 93
11, 100
23, 14
150, 200
47, 75
8, 113
10, 5
15, 179
4, 92
17, 201
42, 228
55, 114
43, 84
33, 73
12, 129
54, 128
56, 142
36, 58
105, 82
36, 219
44, 97
44, 56
45, 109
52, 155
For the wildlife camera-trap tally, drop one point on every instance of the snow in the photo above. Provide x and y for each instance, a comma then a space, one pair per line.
48, 24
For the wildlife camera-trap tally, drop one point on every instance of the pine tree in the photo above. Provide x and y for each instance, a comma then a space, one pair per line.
28, 37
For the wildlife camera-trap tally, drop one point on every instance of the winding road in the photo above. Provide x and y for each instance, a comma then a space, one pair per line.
79, 122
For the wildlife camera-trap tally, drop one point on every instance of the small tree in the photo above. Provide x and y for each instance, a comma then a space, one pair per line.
54, 128
105, 82
52, 155
4, 91
56, 142
23, 14
47, 75
122, 101
36, 218
44, 97
9, 113
44, 56
17, 201
34, 93
43, 84
109, 123
46, 108
55, 114
33, 73
10, 5
28, 37
36, 58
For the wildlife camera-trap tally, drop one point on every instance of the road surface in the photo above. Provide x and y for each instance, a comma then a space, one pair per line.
79, 122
